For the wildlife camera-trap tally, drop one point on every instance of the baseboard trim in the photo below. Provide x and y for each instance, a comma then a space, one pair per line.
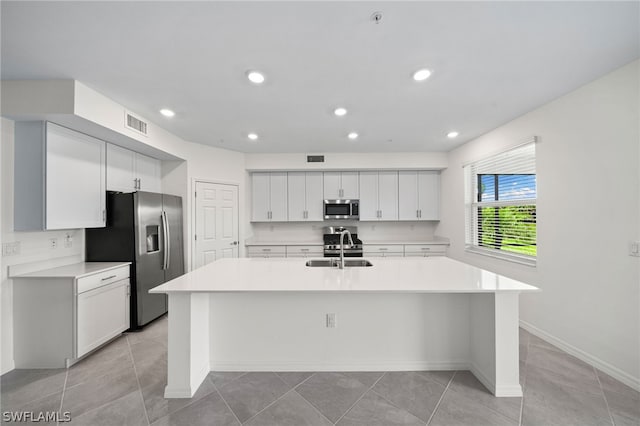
372, 366
11, 367
178, 392
605, 367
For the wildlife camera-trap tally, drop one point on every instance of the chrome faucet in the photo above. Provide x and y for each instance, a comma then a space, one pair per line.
342, 234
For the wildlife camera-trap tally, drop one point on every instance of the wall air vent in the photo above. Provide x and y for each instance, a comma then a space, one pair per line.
135, 124
315, 158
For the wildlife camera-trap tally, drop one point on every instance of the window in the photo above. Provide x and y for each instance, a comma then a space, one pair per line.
501, 194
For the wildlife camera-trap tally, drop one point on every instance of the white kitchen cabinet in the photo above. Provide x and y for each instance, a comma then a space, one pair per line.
103, 313
388, 250
424, 250
305, 192
419, 195
66, 312
149, 174
59, 178
267, 251
129, 171
269, 197
379, 195
341, 185
305, 251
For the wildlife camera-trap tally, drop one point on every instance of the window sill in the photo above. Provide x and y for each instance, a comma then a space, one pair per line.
513, 258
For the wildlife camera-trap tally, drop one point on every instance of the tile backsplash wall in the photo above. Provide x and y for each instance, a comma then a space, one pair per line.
367, 231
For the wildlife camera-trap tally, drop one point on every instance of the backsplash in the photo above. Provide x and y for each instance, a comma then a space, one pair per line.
367, 231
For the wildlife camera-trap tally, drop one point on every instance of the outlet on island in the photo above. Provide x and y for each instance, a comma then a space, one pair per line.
331, 320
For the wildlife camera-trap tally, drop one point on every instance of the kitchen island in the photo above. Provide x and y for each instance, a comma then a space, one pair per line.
401, 314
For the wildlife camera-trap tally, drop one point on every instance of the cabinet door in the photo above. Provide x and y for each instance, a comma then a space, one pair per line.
350, 185
369, 196
429, 195
297, 196
332, 185
408, 195
75, 180
120, 169
278, 195
260, 209
314, 196
388, 195
148, 171
103, 313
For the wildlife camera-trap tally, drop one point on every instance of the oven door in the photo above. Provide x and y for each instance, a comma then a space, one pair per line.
339, 209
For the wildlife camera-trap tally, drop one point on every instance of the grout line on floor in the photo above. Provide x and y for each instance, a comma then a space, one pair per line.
604, 395
224, 400
64, 387
361, 396
441, 398
524, 381
269, 405
135, 371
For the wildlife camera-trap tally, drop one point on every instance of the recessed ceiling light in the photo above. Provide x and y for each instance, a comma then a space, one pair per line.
352, 135
252, 136
167, 112
452, 135
255, 77
421, 75
340, 111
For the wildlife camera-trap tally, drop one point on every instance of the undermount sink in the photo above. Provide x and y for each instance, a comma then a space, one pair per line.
333, 263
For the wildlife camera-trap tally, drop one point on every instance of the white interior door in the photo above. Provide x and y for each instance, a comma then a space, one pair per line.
216, 223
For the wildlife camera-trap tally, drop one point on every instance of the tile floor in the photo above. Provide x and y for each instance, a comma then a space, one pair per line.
123, 383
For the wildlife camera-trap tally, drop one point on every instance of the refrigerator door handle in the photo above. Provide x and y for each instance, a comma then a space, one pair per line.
165, 231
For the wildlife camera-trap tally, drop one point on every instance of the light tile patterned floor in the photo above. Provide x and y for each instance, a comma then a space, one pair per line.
123, 383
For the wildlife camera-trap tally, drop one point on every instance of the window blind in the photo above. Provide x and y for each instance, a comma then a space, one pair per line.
500, 204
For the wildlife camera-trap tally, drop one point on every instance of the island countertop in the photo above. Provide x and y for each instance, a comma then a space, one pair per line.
387, 275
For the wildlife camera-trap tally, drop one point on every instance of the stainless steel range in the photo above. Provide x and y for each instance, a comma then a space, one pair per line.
332, 242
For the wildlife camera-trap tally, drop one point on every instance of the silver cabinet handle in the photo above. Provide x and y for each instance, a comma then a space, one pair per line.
425, 248
108, 278
420, 213
234, 243
304, 249
417, 213
383, 248
266, 249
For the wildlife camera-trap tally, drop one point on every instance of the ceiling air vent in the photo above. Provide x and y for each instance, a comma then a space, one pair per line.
315, 158
135, 124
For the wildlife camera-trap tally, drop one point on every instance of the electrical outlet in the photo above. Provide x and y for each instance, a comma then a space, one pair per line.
53, 243
331, 320
11, 249
634, 248
68, 241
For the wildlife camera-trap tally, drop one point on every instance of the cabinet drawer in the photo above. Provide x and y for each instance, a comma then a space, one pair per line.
304, 251
102, 278
425, 249
383, 249
267, 251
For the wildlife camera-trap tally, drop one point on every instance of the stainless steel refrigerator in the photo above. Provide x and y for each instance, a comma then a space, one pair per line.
144, 228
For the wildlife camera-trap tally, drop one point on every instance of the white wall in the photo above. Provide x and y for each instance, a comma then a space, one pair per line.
588, 212
34, 246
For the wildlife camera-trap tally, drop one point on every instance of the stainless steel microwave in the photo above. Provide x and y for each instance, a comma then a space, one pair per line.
342, 209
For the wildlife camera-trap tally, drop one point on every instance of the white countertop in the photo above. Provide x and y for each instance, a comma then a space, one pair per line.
76, 270
367, 242
387, 275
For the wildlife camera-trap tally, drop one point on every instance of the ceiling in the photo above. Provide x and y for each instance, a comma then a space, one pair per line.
491, 62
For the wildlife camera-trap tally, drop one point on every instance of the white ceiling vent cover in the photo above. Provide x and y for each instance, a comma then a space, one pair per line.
134, 123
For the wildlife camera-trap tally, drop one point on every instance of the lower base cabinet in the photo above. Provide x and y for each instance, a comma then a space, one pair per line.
64, 313
103, 313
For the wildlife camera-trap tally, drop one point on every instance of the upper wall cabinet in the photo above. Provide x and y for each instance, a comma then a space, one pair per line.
341, 185
59, 177
268, 197
419, 196
305, 191
379, 195
129, 171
